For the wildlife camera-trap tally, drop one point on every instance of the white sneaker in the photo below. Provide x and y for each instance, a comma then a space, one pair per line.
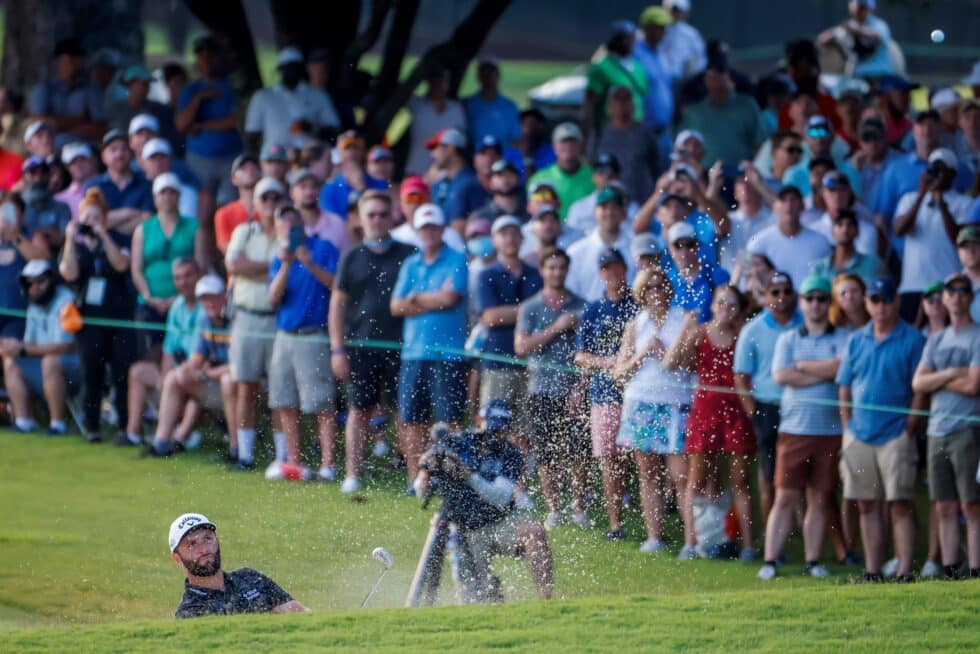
651, 545
766, 572
818, 571
580, 520
553, 520
930, 570
523, 501
890, 569
327, 473
380, 449
687, 553
350, 485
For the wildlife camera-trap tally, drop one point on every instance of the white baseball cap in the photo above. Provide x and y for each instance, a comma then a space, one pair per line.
74, 150
504, 222
682, 5
945, 98
209, 285
164, 181
34, 128
185, 523
680, 231
156, 146
144, 121
946, 156
428, 214
289, 55
268, 185
566, 131
35, 268
688, 134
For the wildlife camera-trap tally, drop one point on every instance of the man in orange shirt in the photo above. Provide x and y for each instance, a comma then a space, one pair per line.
245, 174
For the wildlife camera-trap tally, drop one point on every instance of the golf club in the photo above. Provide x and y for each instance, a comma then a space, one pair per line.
382, 556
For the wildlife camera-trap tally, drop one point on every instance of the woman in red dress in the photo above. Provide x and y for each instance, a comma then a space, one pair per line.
718, 425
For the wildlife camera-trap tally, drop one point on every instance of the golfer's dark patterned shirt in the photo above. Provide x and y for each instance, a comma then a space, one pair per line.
246, 591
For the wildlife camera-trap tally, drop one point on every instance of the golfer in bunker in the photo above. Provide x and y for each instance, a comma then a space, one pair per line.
208, 590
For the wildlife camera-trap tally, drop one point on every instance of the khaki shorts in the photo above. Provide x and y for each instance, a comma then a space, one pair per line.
953, 461
300, 374
251, 345
883, 472
210, 395
509, 385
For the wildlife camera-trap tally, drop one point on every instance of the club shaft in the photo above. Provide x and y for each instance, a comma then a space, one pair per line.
374, 589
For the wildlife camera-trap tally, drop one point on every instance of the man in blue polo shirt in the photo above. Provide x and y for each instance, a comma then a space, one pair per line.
448, 150
300, 378
335, 196
878, 454
489, 112
128, 194
694, 280
759, 392
430, 295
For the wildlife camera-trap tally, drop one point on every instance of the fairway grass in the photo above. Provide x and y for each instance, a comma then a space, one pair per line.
85, 567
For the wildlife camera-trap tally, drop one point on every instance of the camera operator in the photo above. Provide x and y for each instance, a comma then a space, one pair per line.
475, 473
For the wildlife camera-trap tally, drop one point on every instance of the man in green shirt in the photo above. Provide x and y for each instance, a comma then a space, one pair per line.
570, 176
617, 68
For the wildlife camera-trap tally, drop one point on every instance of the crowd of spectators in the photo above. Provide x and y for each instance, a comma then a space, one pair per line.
706, 276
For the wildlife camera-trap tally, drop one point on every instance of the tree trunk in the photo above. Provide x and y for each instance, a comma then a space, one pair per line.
226, 19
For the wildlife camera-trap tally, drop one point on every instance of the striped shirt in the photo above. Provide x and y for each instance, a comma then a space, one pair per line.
809, 410
212, 345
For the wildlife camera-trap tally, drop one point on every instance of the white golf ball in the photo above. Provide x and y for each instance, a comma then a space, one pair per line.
937, 36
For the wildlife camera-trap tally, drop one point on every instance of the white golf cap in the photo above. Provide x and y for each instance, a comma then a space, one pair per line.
156, 146
565, 132
428, 214
973, 79
74, 150
688, 134
209, 285
289, 55
945, 98
35, 268
166, 181
269, 185
946, 156
144, 121
682, 5
504, 222
185, 523
681, 231
34, 128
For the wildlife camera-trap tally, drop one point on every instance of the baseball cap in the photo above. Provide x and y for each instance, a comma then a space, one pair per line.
488, 60
477, 227
958, 277
930, 289
566, 131
681, 231
34, 128
505, 221
944, 99
621, 28
946, 156
646, 245
655, 15
684, 169
144, 121
610, 194
243, 159
871, 129
449, 136
610, 256
35, 268
166, 181
968, 234
503, 165
288, 55
428, 214
156, 146
545, 209
787, 189
608, 161
686, 134
496, 414
298, 175
114, 135
818, 126
928, 114
835, 179
379, 152
209, 285
348, 139
667, 197
870, 4
815, 283
543, 187
268, 185
777, 278
74, 150
414, 184
137, 72
33, 163
184, 524
680, 5
894, 83
273, 152
489, 141
884, 288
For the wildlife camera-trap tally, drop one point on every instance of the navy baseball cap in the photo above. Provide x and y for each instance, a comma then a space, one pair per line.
884, 288
610, 256
489, 141
606, 161
496, 415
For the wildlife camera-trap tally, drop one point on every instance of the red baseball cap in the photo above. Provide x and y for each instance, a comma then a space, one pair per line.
449, 136
414, 184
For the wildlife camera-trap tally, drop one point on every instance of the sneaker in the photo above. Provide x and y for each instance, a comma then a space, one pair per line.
350, 485
580, 520
194, 440
651, 546
872, 577
907, 578
687, 553
851, 559
553, 520
245, 466
816, 570
380, 450
327, 473
766, 572
615, 534
952, 572
748, 554
890, 569
523, 501
56, 431
410, 491
123, 440
930, 570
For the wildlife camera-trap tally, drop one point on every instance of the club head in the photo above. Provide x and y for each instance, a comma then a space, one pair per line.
383, 556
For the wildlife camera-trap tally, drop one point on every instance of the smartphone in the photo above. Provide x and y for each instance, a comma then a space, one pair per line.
296, 237
85, 229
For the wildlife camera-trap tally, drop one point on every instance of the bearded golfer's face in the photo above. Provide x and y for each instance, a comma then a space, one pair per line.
200, 553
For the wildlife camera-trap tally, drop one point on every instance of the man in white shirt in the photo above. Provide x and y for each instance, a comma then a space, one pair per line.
291, 109
929, 219
157, 158
605, 172
610, 213
683, 45
751, 217
788, 244
837, 195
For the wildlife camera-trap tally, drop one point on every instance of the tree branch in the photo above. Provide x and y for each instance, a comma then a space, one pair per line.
366, 39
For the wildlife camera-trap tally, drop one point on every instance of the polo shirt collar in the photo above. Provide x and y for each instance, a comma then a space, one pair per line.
827, 332
771, 322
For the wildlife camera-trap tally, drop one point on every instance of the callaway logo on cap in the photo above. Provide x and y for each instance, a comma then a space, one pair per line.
184, 524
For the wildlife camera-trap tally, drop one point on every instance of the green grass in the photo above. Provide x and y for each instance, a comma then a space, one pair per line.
85, 566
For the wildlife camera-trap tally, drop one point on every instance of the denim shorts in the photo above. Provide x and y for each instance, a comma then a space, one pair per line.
432, 391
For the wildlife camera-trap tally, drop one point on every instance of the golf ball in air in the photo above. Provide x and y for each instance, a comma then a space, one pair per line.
937, 36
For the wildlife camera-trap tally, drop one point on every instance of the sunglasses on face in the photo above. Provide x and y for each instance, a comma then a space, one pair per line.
377, 214
933, 298
819, 299
877, 298
685, 245
270, 197
37, 281
958, 290
781, 292
793, 150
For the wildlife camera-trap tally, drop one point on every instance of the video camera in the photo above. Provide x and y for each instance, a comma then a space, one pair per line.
444, 452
